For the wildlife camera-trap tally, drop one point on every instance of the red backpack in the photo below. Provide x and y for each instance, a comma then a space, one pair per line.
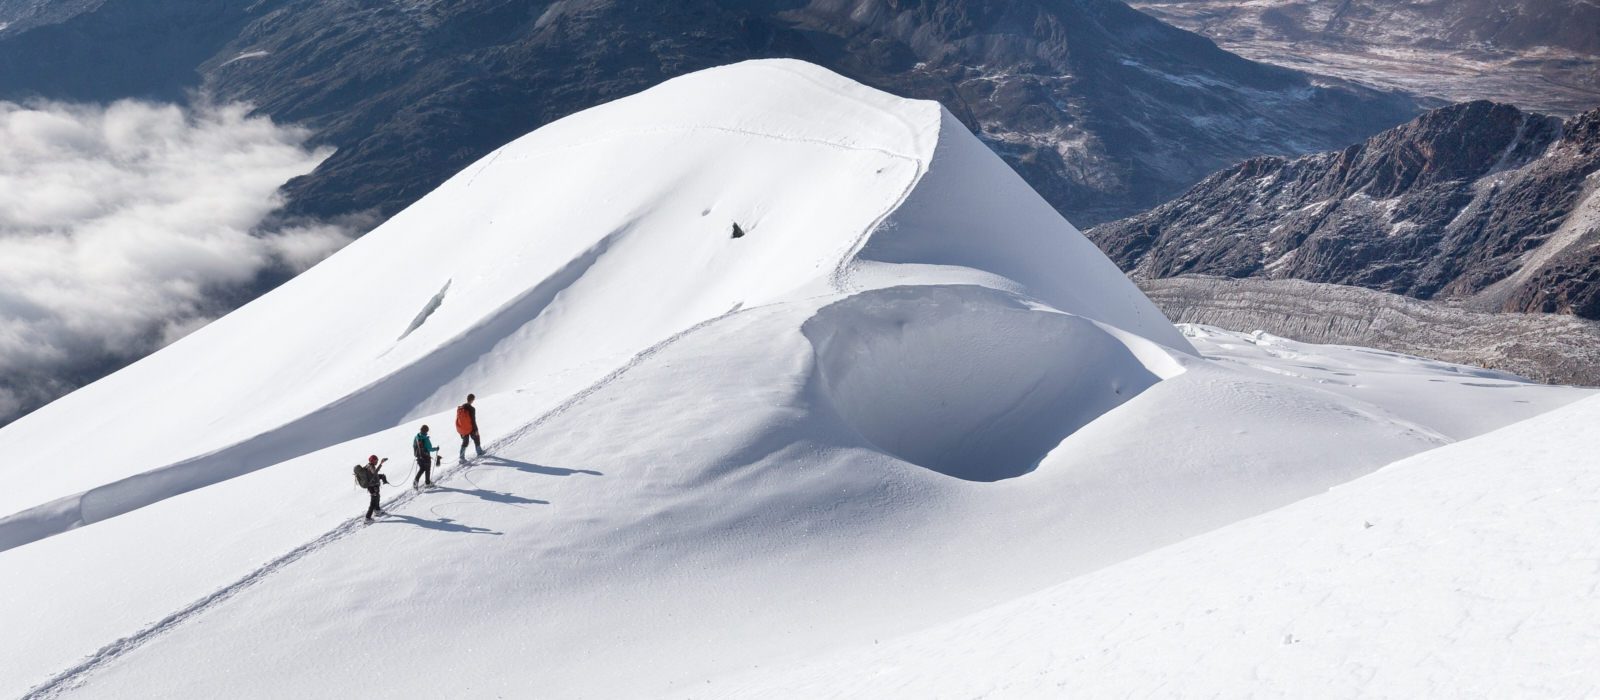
463, 420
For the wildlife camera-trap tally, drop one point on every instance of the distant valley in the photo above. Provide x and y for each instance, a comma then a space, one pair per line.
1541, 55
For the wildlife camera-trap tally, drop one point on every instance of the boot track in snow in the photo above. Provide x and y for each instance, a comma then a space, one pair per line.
75, 676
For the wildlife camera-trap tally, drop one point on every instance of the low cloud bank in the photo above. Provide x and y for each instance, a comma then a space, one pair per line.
125, 227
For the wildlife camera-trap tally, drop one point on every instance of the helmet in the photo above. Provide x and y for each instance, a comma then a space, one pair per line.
373, 458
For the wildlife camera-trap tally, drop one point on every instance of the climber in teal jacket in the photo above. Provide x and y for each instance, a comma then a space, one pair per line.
423, 448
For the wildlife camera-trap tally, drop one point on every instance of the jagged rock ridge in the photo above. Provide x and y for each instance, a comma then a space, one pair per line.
1478, 202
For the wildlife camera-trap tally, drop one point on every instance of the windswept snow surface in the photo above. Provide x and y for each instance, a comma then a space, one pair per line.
1464, 572
911, 392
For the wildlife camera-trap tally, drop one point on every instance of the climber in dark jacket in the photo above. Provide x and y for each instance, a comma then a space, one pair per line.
368, 477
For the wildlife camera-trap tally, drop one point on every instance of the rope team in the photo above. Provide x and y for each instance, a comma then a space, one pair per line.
369, 475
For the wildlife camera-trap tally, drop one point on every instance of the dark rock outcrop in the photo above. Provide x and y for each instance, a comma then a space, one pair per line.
412, 95
1479, 202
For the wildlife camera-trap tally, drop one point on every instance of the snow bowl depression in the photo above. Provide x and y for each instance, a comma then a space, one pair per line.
968, 381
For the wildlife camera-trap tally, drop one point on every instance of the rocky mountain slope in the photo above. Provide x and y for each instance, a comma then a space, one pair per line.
1539, 54
1102, 109
1478, 202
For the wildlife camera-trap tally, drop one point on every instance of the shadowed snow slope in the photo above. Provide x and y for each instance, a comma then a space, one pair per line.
965, 380
908, 393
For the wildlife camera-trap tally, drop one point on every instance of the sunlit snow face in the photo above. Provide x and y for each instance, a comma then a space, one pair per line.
126, 227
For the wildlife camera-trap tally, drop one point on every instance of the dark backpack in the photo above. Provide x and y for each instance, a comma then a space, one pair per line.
363, 477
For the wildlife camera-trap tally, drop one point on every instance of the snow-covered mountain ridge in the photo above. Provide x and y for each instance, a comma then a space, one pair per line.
870, 164
907, 393
1103, 110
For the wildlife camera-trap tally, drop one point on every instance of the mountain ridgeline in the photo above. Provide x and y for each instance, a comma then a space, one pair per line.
1102, 109
1480, 203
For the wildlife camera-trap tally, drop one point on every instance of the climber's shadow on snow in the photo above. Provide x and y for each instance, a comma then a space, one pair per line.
531, 468
494, 496
442, 524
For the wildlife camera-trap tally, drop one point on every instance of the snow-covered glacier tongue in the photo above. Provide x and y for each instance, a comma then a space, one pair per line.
769, 365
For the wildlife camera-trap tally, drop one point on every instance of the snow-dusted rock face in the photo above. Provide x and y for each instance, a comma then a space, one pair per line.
1104, 110
1477, 202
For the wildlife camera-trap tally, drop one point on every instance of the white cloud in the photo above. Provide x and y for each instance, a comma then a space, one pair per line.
126, 227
